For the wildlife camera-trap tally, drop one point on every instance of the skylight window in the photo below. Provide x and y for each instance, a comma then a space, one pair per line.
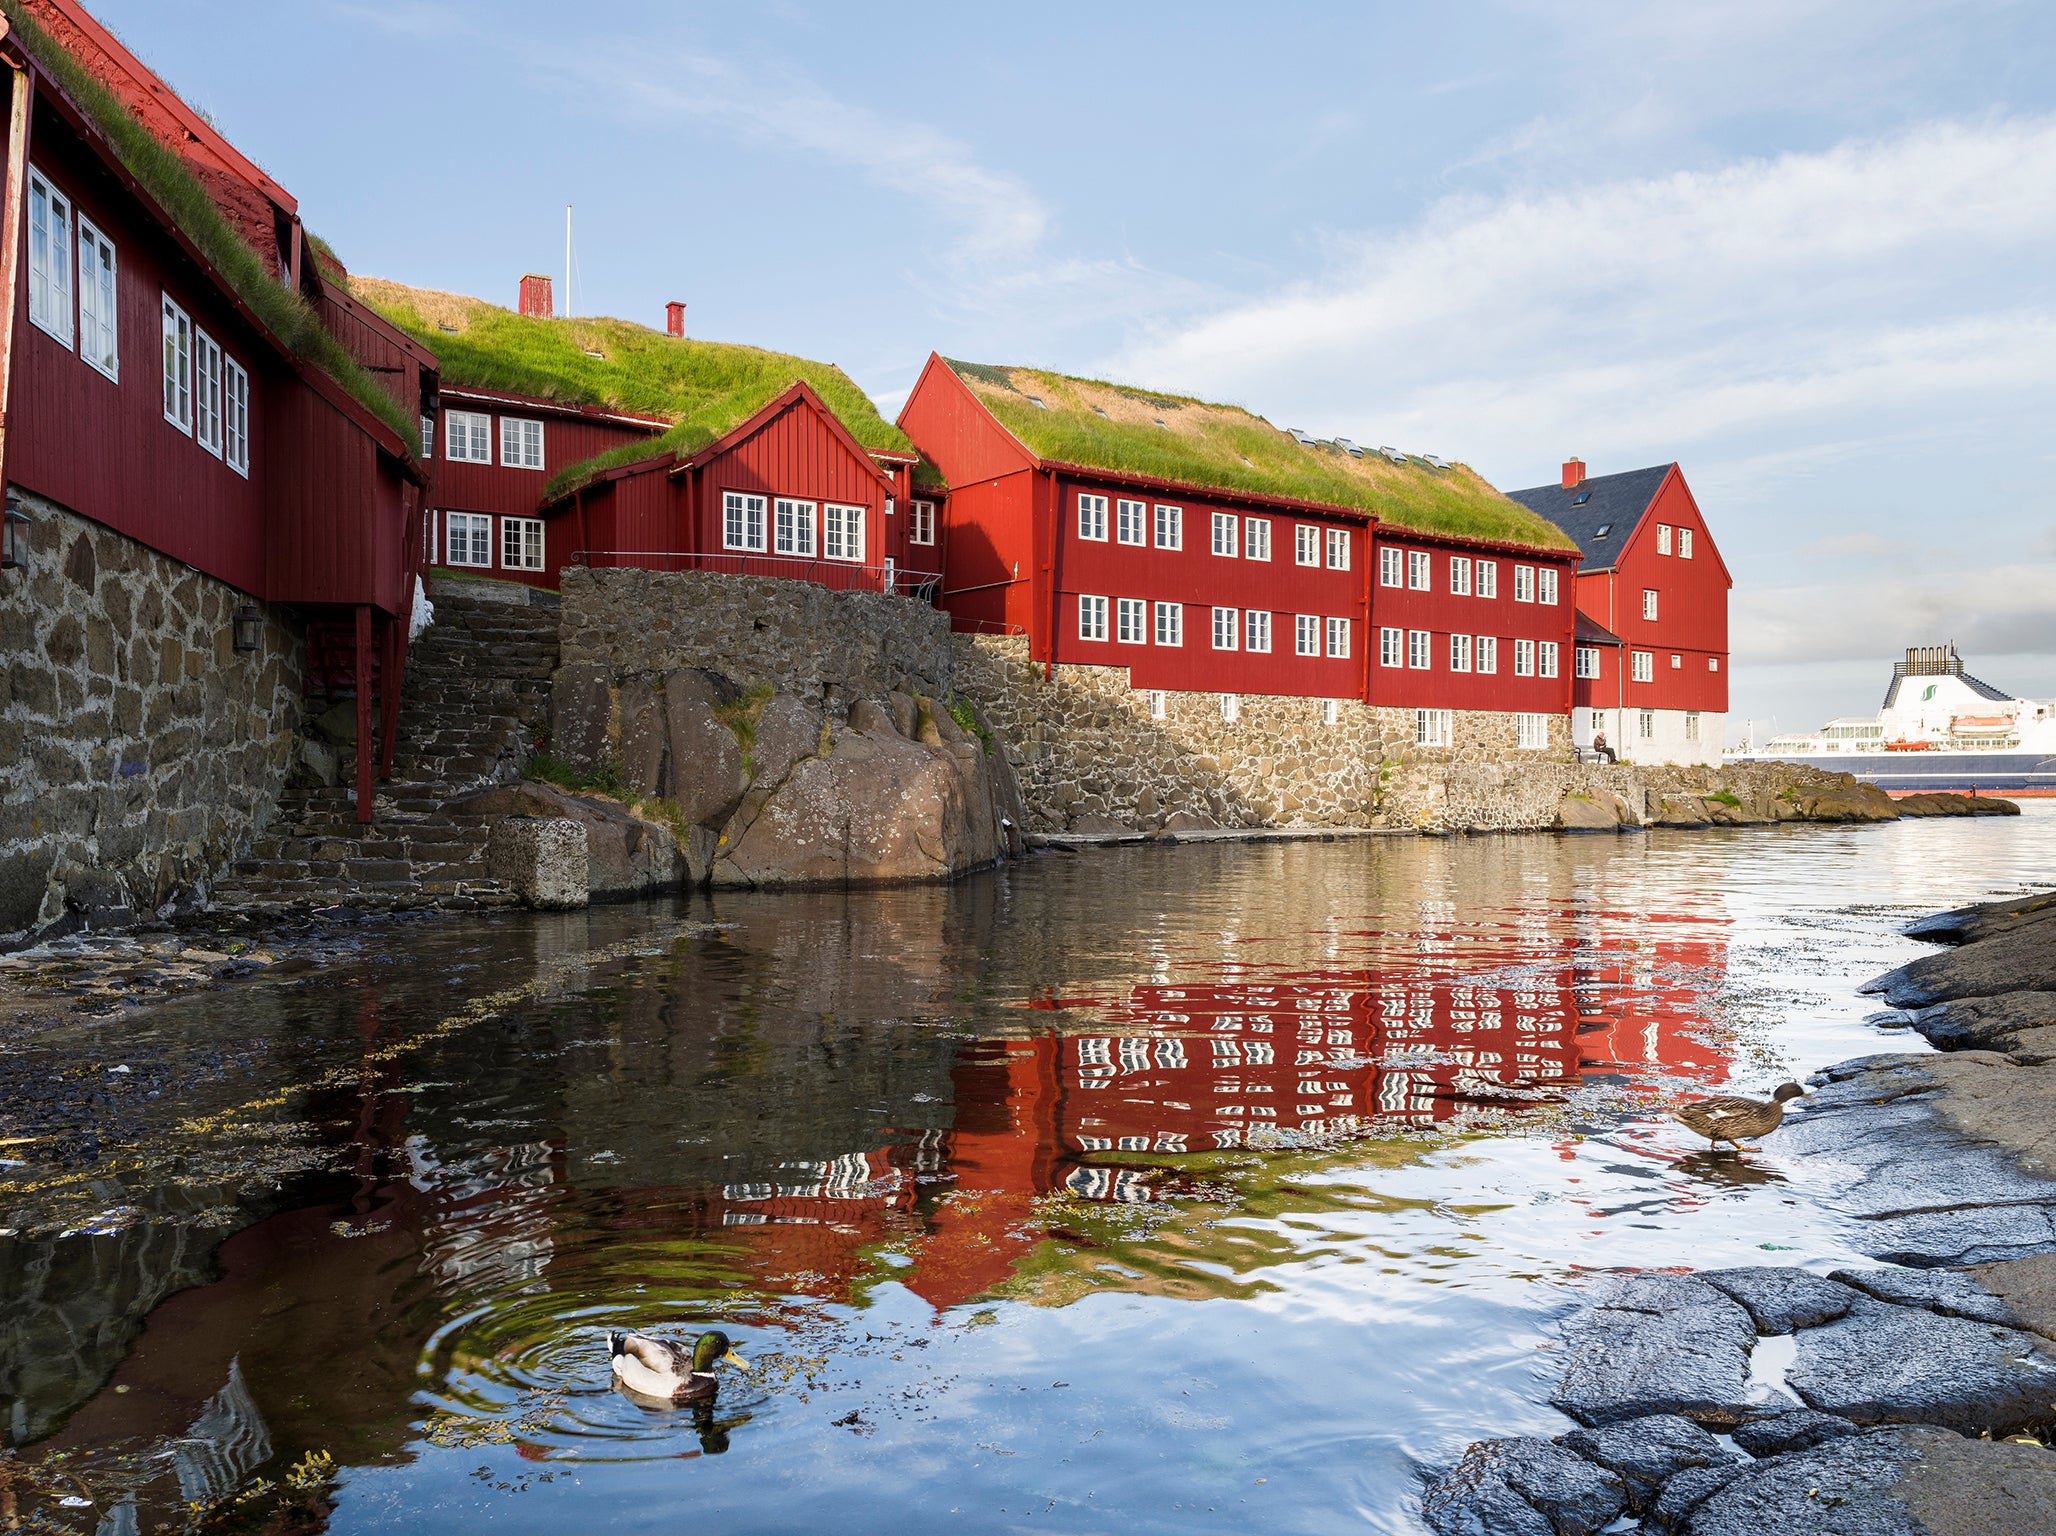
1581, 498
1161, 422
1602, 530
1097, 411
1036, 401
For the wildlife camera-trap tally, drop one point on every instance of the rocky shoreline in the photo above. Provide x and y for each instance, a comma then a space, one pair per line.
1918, 1397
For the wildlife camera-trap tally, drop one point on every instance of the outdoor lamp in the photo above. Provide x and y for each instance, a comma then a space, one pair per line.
249, 628
14, 536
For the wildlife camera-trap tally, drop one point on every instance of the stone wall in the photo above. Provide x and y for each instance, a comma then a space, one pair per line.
139, 751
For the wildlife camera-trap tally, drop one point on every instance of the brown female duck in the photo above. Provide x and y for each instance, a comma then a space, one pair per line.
1730, 1119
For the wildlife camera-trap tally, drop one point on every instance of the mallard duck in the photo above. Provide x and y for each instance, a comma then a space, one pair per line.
1730, 1119
662, 1368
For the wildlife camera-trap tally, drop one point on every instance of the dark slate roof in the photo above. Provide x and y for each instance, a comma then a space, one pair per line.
1615, 502
1589, 632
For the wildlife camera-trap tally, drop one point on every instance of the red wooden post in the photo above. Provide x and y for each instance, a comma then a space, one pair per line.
364, 665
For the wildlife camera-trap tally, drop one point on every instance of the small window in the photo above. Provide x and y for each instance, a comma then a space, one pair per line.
1226, 622
471, 538
1598, 720
235, 415
1092, 611
1677, 661
1092, 518
1131, 618
1157, 710
1488, 578
1684, 543
1306, 545
428, 437
1487, 653
1256, 625
1431, 727
1420, 570
521, 443
1170, 527
1531, 732
1524, 583
792, 527
1231, 707
1131, 522
1648, 602
1331, 711
50, 259
1581, 498
1459, 576
1585, 660
1545, 587
1459, 653
1224, 534
178, 367
1391, 647
1642, 667
1648, 724
1713, 663
1307, 635
521, 543
1545, 658
1170, 623
1663, 538
842, 532
1391, 567
1524, 658
1691, 725
1338, 549
206, 392
920, 522
1256, 538
742, 520
467, 437
1418, 656
1602, 530
99, 343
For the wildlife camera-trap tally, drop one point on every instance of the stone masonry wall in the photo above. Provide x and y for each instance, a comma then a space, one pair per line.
139, 751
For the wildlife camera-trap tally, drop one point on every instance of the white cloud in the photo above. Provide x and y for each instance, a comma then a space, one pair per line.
2004, 612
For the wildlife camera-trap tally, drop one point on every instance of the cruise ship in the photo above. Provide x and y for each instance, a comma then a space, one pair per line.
1940, 728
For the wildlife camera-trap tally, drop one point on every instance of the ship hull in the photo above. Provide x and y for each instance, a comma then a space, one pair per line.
1908, 773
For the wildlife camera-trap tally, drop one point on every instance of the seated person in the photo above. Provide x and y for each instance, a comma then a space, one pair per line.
1601, 749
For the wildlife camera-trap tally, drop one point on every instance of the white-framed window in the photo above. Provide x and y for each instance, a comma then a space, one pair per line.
1649, 602
1487, 574
1545, 586
1418, 655
99, 315
1092, 517
1531, 732
1131, 621
1131, 521
521, 443
470, 538
1227, 621
1487, 653
206, 392
1157, 704
1391, 567
742, 520
920, 522
1306, 544
1391, 647
467, 437
1306, 630
235, 415
49, 258
1459, 576
1225, 534
1585, 661
1647, 724
1170, 623
1545, 658
1684, 543
1431, 727
1256, 538
792, 527
1256, 630
1231, 707
1598, 720
1524, 583
1677, 661
1524, 658
1338, 549
1420, 570
1663, 538
842, 532
521, 543
1642, 667
178, 366
1170, 527
1691, 725
1459, 653
1331, 711
427, 437
1092, 611
1713, 663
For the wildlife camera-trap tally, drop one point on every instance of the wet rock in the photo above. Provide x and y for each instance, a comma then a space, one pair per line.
1687, 1491
1943, 804
1646, 1453
1657, 1344
1961, 1487
1798, 1430
543, 860
1522, 1487
1965, 925
1883, 1364
625, 855
1781, 1300
2021, 958
1576, 813
2027, 1287
2012, 1023
1938, 1290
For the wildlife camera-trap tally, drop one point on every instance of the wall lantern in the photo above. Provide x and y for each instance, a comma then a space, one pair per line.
14, 536
249, 628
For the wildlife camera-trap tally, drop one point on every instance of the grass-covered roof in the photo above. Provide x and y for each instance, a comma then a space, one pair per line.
705, 389
1173, 437
168, 180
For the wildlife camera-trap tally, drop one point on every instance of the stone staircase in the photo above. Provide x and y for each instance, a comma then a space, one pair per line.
477, 691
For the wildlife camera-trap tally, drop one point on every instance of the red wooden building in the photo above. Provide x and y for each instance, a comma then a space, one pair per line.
1651, 661
1204, 550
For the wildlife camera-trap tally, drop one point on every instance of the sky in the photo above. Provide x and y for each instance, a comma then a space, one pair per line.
1801, 247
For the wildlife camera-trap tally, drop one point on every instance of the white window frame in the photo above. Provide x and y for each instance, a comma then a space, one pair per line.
1092, 517
427, 438
1713, 663
178, 365
1256, 630
1306, 544
1691, 725
206, 392
1338, 639
1227, 628
1231, 708
1677, 662
1684, 543
522, 538
1306, 632
1524, 583
1585, 661
473, 533
1338, 549
1420, 570
235, 415
1485, 655
99, 287
1459, 653
52, 218
920, 521
1331, 711
1391, 567
1131, 620
1663, 538
1170, 527
1545, 586
1432, 727
793, 527
1459, 576
842, 532
1158, 707
467, 437
1642, 666
521, 443
1646, 726
744, 519
1524, 658
1227, 534
1170, 624
1531, 732
1092, 617
1256, 538
1420, 653
1649, 603
1131, 521
1546, 657
1391, 647
1485, 575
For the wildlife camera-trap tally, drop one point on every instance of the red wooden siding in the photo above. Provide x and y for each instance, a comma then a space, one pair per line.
793, 454
987, 573
1691, 621
957, 433
1442, 613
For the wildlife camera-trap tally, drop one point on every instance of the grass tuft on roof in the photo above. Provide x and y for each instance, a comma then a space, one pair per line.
705, 389
1174, 437
167, 178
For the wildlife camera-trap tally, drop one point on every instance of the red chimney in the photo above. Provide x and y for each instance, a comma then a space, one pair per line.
1573, 470
674, 318
535, 296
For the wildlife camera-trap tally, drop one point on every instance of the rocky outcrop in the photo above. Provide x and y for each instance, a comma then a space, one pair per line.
626, 854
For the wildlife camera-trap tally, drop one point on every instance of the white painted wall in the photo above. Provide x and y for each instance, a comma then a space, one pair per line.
1668, 741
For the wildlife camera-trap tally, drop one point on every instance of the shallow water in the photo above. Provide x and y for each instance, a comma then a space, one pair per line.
1147, 1189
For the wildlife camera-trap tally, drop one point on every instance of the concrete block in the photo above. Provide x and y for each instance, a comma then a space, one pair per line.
545, 861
